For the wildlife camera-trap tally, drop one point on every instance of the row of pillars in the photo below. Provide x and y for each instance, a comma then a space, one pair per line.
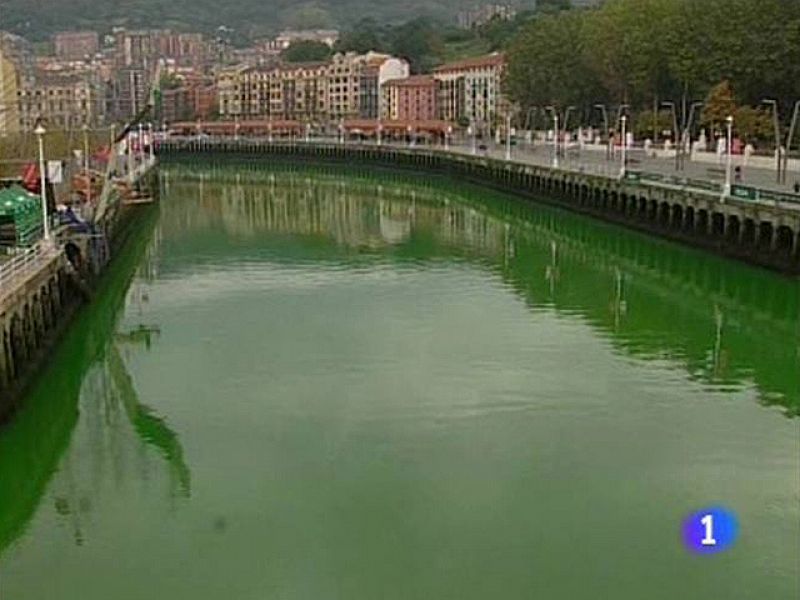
25, 327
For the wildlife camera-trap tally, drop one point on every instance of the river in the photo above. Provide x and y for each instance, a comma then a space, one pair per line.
309, 383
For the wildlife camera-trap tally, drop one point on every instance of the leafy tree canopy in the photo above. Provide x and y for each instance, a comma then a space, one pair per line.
306, 51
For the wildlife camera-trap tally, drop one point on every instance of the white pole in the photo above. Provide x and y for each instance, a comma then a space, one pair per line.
86, 163
474, 137
624, 146
379, 132
555, 139
152, 144
726, 192
508, 136
40, 131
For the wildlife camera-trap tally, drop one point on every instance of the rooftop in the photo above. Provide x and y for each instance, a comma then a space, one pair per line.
490, 60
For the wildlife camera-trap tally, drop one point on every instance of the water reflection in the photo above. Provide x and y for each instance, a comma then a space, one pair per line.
88, 378
728, 325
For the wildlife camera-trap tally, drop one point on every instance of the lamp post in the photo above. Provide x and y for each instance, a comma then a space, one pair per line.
671, 105
726, 191
623, 165
508, 136
379, 133
790, 138
687, 131
602, 108
473, 133
447, 134
86, 162
555, 137
776, 124
152, 144
40, 133
528, 122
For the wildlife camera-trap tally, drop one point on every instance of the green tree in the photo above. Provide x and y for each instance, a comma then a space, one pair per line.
306, 51
419, 42
548, 63
366, 35
754, 125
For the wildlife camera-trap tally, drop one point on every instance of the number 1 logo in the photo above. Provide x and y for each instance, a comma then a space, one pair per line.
710, 531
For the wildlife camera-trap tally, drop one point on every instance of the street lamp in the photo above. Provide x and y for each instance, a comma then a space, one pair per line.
508, 136
774, 105
675, 132
379, 133
86, 162
528, 122
447, 135
790, 138
687, 131
151, 146
40, 133
602, 108
726, 192
555, 136
624, 120
474, 135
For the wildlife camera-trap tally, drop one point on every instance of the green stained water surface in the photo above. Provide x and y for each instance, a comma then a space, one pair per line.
310, 384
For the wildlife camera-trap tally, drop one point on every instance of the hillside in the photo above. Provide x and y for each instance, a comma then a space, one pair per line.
249, 18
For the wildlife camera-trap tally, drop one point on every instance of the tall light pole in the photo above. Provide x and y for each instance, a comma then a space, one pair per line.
676, 134
790, 138
623, 166
528, 122
86, 162
40, 132
687, 131
555, 136
566, 117
776, 124
379, 133
602, 108
151, 138
508, 136
474, 136
726, 191
141, 141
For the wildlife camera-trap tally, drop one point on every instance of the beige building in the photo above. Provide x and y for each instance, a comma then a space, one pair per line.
471, 91
355, 82
346, 87
62, 101
9, 108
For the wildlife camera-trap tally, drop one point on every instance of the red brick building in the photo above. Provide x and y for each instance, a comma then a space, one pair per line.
410, 99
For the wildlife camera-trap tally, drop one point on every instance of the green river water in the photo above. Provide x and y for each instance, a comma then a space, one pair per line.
304, 383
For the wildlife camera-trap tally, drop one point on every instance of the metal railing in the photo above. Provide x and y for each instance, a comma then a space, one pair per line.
639, 177
24, 265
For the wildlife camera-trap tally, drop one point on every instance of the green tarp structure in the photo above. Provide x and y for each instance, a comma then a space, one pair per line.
20, 217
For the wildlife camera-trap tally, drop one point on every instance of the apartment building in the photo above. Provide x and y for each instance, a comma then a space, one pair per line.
62, 101
9, 79
76, 45
410, 99
376, 70
346, 87
470, 91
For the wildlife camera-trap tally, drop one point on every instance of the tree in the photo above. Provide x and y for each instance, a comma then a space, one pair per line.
548, 65
306, 51
417, 41
754, 125
366, 35
719, 105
